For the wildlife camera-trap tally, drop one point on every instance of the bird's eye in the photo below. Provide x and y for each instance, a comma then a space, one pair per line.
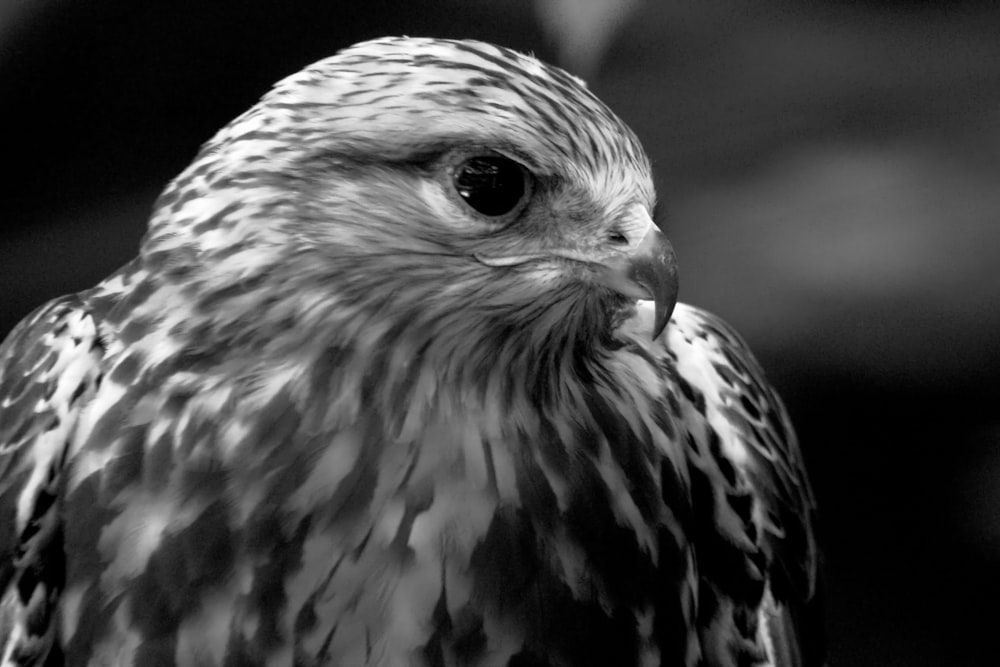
491, 184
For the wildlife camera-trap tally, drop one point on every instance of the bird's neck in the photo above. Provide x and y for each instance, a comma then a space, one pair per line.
441, 353
400, 343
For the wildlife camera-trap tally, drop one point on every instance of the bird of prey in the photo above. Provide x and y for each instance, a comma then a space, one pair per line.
398, 378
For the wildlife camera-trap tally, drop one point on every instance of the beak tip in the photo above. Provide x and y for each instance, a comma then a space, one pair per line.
665, 301
661, 319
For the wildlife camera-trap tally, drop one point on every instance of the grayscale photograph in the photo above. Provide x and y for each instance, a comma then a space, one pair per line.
499, 333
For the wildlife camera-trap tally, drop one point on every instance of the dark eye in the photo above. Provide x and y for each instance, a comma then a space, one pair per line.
491, 184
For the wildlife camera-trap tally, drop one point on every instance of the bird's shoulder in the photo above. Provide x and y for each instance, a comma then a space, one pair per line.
755, 513
722, 386
50, 365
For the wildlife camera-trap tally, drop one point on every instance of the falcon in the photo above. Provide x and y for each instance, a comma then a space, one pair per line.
399, 378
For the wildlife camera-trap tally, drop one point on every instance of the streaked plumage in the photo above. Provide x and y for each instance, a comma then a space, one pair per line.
333, 414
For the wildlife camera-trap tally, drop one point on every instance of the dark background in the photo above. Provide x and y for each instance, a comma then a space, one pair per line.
831, 174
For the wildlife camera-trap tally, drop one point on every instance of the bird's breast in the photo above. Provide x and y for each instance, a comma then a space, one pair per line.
231, 528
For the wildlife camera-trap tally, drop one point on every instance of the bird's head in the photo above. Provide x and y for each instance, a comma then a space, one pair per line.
421, 177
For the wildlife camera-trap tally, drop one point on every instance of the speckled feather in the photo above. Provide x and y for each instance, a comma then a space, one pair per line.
307, 425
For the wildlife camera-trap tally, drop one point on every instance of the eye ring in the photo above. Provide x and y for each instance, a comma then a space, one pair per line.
491, 184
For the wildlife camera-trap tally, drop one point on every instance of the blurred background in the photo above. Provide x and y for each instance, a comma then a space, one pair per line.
830, 173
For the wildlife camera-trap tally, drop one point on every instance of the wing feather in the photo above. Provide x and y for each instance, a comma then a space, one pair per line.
757, 550
50, 365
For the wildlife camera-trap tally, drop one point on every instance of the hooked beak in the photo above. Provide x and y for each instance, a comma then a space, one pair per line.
649, 272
